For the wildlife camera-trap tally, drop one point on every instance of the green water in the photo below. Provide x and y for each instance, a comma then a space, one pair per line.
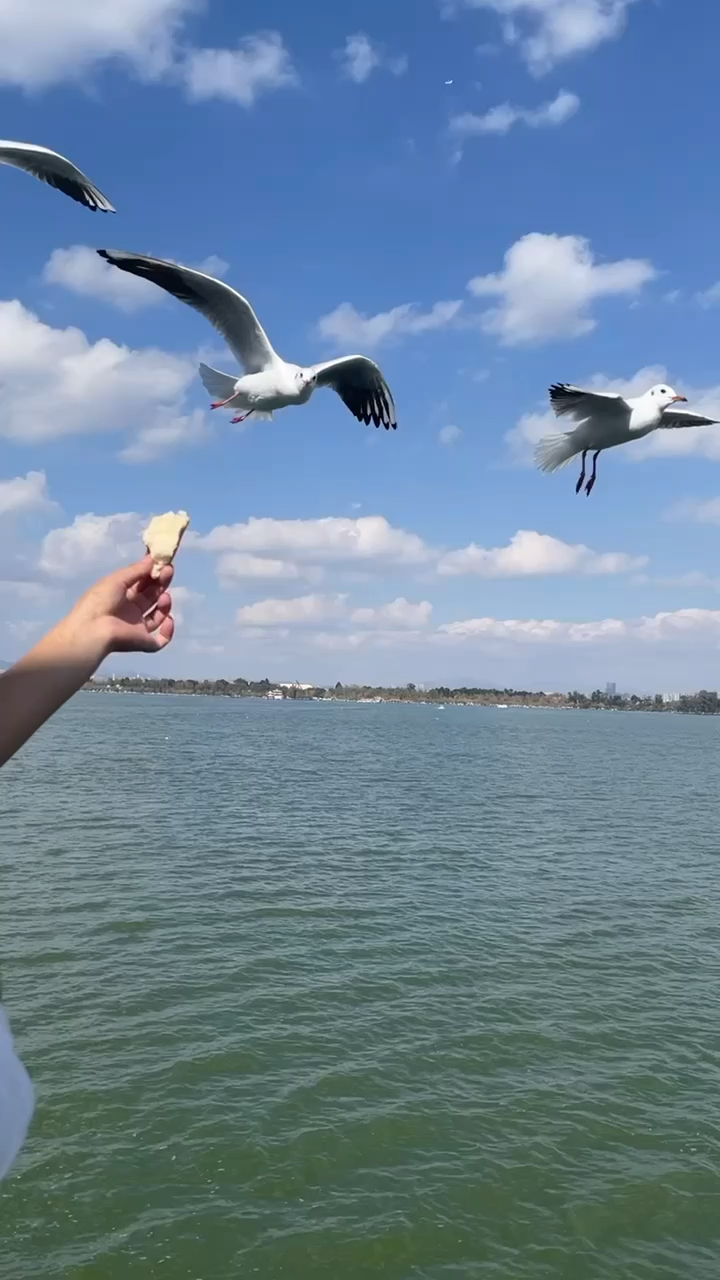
330, 992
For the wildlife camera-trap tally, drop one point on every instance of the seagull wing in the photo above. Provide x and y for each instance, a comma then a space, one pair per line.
55, 170
227, 311
684, 418
361, 386
572, 402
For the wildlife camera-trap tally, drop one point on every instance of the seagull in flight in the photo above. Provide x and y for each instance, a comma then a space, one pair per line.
269, 382
604, 420
58, 172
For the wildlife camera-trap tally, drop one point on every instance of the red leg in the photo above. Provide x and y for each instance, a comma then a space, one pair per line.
242, 416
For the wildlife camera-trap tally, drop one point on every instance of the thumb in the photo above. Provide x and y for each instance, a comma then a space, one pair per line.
133, 573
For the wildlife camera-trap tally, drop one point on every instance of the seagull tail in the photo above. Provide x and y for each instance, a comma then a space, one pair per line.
554, 452
220, 385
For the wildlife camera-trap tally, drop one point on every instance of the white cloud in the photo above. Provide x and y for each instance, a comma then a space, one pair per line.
300, 611
43, 42
360, 57
81, 270
239, 566
55, 383
449, 435
708, 297
168, 432
347, 327
398, 613
24, 493
531, 554
30, 592
658, 629
368, 540
501, 119
261, 63
547, 31
548, 285
91, 543
697, 510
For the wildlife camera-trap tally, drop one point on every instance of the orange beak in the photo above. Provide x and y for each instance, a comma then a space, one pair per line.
675, 398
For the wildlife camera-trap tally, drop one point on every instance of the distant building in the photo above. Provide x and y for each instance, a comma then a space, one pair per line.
293, 684
611, 689
670, 697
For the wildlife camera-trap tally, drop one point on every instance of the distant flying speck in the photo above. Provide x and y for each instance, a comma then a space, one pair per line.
605, 420
56, 171
449, 81
270, 382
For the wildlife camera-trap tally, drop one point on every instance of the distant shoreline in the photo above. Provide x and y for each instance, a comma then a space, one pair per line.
702, 703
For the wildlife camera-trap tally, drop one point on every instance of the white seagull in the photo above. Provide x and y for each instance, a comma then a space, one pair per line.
269, 382
54, 169
606, 419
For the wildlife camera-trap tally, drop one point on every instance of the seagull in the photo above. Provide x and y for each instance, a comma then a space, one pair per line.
606, 419
269, 382
55, 170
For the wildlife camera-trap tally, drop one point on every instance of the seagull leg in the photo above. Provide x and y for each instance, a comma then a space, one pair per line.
220, 404
591, 482
581, 481
242, 416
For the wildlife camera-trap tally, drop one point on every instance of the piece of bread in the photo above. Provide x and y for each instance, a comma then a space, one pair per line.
163, 536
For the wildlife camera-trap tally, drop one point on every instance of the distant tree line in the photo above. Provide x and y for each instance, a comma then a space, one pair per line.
702, 703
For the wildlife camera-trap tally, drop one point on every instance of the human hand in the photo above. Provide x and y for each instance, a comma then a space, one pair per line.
125, 612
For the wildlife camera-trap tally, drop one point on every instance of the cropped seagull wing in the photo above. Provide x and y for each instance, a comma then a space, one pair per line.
684, 418
361, 386
227, 311
54, 169
572, 402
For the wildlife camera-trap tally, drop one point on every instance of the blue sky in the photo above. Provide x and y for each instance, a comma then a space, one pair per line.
486, 196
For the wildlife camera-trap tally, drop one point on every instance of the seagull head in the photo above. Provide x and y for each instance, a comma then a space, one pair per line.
664, 395
306, 378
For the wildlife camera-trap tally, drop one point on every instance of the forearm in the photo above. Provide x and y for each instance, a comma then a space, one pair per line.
36, 686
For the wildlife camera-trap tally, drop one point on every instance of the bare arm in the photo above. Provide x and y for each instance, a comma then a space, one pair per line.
125, 612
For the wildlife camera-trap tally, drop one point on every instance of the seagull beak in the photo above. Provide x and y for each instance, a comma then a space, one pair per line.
676, 398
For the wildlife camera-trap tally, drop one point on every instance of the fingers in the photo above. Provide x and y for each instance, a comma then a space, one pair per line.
149, 588
146, 637
158, 615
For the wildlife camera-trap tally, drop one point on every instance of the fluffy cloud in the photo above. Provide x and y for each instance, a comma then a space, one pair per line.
501, 119
239, 566
91, 543
397, 614
311, 610
347, 327
365, 540
24, 493
548, 285
449, 435
658, 629
168, 432
81, 270
531, 554
300, 611
360, 57
259, 64
547, 31
697, 510
54, 382
45, 43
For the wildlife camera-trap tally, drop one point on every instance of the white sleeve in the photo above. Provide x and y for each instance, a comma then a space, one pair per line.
16, 1098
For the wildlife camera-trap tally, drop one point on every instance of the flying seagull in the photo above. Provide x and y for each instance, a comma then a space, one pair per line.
269, 382
605, 420
55, 170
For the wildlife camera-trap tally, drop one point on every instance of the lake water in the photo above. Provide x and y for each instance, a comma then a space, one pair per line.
336, 992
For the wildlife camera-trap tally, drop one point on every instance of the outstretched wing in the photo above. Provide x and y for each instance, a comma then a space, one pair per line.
573, 402
54, 169
227, 311
684, 418
361, 386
